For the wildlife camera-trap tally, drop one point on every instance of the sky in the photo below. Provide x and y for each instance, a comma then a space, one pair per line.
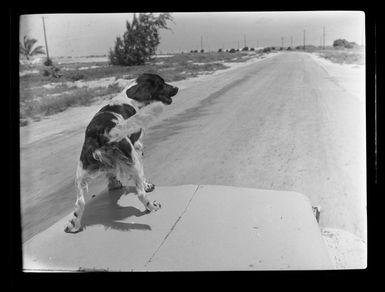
95, 34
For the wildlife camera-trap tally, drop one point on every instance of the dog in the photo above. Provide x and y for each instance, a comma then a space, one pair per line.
113, 142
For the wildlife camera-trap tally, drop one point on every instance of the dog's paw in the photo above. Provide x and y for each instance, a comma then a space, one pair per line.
153, 206
114, 184
73, 227
149, 187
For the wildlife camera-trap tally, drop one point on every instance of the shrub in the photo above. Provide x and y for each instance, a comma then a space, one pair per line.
76, 76
245, 49
23, 122
48, 62
232, 51
140, 40
45, 73
219, 50
344, 44
266, 50
52, 71
202, 51
252, 49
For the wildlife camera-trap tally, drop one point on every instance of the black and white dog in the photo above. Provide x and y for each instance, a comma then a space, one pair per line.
113, 141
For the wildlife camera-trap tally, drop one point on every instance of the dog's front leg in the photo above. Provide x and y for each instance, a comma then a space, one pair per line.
141, 185
148, 187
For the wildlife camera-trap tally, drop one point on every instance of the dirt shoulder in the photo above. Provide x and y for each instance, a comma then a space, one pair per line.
350, 76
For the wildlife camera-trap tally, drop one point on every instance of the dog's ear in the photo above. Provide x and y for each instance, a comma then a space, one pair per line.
143, 90
139, 92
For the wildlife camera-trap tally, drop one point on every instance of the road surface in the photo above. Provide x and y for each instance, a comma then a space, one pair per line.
280, 124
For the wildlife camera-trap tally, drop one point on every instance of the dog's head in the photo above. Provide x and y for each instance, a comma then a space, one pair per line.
150, 88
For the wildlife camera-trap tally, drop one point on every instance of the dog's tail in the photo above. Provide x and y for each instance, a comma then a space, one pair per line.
110, 156
136, 122
104, 157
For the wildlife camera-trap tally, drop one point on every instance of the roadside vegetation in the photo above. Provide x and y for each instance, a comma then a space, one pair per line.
342, 52
28, 49
48, 87
83, 83
140, 40
355, 56
51, 86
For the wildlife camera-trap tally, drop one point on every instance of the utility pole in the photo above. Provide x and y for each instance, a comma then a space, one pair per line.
291, 42
45, 38
244, 40
304, 38
201, 43
282, 42
323, 43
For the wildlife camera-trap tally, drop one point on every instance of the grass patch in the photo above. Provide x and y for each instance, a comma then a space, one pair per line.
37, 99
344, 56
34, 108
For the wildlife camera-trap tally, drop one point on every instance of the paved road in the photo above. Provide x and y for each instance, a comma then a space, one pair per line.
282, 124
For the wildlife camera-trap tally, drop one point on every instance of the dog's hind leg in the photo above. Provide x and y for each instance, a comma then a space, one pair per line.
81, 181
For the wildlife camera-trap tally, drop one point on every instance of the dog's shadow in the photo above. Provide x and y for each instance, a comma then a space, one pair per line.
105, 210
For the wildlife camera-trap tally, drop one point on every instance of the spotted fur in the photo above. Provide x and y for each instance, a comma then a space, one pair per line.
113, 141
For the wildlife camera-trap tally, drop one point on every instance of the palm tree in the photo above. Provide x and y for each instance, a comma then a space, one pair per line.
26, 48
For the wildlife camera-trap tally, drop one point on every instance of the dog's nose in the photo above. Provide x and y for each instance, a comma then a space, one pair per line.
175, 90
